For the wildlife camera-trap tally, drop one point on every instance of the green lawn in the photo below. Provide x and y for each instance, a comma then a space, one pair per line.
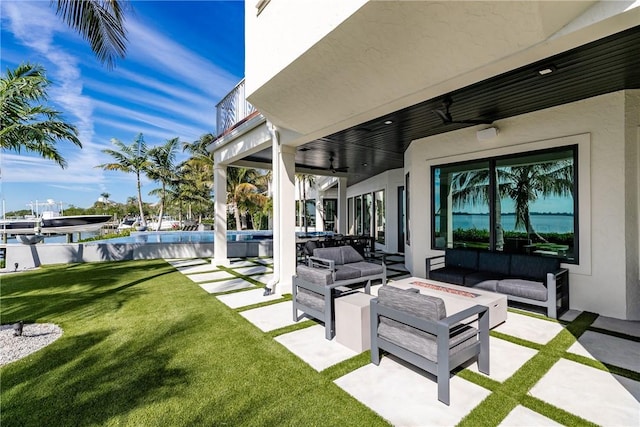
145, 346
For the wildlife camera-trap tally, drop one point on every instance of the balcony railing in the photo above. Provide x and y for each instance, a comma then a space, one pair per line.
232, 109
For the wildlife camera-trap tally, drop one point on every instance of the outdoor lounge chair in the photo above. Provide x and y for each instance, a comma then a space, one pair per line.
314, 293
415, 328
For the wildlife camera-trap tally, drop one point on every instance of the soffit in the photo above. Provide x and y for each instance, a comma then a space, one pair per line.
600, 67
390, 55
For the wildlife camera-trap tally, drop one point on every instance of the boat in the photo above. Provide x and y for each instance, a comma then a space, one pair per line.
52, 221
167, 223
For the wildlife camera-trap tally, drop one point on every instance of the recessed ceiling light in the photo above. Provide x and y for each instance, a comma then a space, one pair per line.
365, 164
388, 122
547, 70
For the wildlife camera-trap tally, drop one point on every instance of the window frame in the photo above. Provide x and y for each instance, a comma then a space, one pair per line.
492, 162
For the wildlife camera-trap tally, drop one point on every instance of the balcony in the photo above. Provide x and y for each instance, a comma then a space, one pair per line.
233, 109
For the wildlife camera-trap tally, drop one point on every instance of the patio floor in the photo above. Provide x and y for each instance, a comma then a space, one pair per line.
594, 378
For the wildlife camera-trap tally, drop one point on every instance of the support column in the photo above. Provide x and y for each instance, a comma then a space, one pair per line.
342, 205
284, 236
220, 224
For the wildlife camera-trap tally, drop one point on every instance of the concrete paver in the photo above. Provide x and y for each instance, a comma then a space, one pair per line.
589, 393
246, 298
405, 397
525, 417
271, 317
310, 345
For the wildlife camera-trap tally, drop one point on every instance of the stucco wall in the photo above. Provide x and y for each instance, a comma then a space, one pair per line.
32, 256
606, 278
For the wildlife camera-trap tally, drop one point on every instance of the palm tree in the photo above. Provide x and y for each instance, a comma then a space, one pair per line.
162, 168
129, 159
305, 180
243, 194
26, 123
522, 184
529, 182
100, 22
195, 185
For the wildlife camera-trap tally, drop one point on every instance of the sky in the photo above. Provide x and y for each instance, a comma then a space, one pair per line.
182, 58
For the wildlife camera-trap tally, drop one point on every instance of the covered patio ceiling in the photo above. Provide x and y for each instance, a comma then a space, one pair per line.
370, 148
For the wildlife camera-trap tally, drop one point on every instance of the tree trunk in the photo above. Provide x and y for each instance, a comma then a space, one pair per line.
143, 221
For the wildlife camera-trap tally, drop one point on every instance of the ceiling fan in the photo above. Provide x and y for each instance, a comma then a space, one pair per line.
334, 169
446, 117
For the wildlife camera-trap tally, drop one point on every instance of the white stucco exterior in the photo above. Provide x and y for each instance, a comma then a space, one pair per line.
317, 67
606, 280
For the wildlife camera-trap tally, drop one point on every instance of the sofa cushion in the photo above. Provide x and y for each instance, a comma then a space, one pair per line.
494, 262
450, 274
349, 255
317, 276
473, 279
487, 285
346, 272
366, 268
310, 299
463, 258
533, 267
332, 253
424, 343
412, 303
523, 288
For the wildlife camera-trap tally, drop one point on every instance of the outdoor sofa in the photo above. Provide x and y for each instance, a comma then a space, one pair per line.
528, 279
330, 273
416, 328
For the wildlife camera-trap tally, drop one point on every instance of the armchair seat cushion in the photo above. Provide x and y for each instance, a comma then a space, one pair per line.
423, 343
367, 268
345, 272
523, 288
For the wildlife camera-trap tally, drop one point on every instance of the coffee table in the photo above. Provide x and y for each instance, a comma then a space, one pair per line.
457, 298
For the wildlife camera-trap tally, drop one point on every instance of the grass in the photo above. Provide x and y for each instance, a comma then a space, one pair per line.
142, 345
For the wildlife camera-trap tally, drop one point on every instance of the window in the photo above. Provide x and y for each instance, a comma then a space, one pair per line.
367, 209
379, 217
407, 210
523, 203
310, 219
358, 217
330, 212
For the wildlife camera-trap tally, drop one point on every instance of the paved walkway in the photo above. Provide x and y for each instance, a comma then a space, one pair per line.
584, 369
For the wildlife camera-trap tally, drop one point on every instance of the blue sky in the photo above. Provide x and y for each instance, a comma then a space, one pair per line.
182, 58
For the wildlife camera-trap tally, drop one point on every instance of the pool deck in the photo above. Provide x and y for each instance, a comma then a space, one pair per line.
593, 380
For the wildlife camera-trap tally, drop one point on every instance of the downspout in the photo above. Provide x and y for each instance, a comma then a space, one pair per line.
275, 164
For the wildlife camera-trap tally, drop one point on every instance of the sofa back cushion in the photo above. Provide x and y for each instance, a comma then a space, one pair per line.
464, 258
317, 276
349, 254
533, 267
412, 303
333, 253
494, 262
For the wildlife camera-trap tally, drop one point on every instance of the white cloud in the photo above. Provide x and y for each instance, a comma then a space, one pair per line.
163, 54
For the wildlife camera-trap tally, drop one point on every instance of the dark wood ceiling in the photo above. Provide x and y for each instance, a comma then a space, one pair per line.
604, 66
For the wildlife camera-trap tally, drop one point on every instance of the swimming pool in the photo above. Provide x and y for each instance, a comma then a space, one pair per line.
195, 236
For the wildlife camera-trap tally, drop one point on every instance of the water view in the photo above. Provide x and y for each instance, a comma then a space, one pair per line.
542, 223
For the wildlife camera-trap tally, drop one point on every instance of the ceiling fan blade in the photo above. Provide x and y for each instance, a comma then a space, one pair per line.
444, 116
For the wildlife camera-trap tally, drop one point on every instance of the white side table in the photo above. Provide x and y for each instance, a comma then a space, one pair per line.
353, 323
